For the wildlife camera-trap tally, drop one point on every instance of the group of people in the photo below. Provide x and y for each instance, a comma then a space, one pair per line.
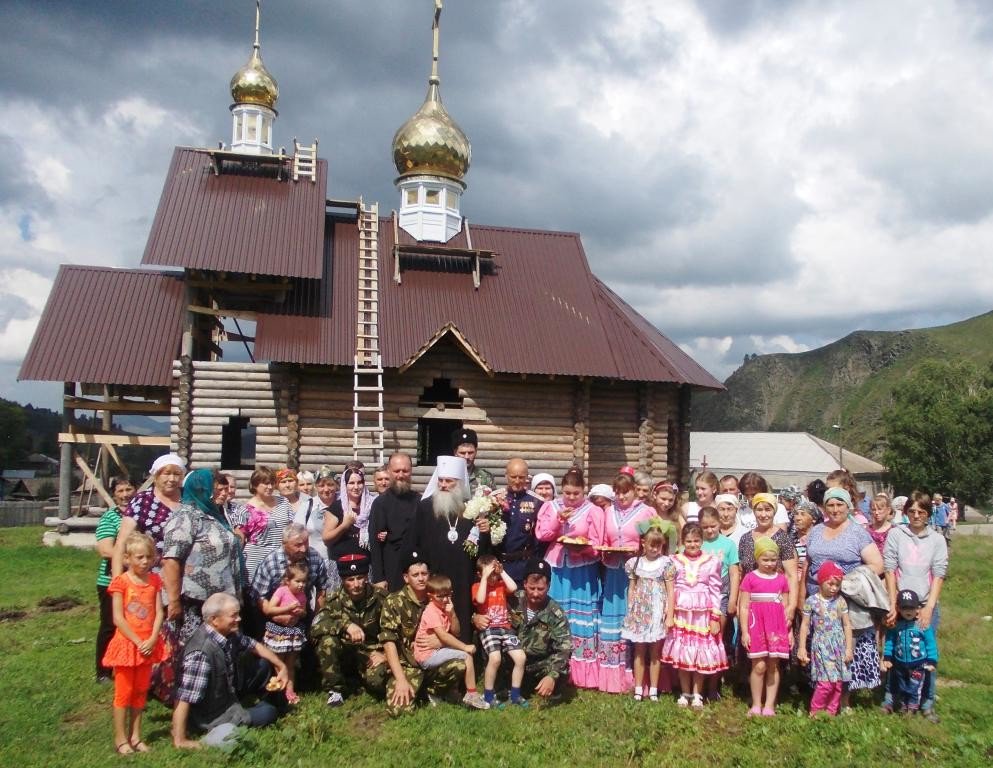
624, 588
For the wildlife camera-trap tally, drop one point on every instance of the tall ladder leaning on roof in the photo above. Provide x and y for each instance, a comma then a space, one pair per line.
367, 435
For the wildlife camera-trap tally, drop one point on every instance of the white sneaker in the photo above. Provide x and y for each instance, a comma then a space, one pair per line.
475, 701
335, 699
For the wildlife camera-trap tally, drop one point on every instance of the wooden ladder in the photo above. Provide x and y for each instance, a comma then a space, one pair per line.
304, 161
368, 436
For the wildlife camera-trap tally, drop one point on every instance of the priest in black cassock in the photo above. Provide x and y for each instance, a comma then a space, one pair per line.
391, 525
440, 532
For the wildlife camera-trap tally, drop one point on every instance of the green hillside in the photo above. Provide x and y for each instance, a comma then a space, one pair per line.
847, 382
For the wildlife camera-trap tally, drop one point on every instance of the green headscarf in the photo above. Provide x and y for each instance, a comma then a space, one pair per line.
198, 491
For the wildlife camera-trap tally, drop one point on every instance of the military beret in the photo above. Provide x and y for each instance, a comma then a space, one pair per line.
353, 565
463, 436
414, 558
537, 566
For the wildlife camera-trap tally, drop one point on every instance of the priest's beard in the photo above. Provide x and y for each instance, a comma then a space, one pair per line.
400, 487
447, 504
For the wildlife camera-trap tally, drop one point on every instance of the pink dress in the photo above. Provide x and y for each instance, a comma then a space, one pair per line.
620, 530
689, 644
575, 583
768, 634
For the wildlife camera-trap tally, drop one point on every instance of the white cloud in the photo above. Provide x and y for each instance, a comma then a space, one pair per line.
15, 337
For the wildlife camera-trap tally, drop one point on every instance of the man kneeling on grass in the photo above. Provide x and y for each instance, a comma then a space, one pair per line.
212, 682
543, 629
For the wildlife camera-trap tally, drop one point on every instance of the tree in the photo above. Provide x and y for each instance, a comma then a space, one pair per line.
939, 431
14, 441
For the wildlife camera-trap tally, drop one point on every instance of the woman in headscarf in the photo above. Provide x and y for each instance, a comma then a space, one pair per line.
840, 539
201, 554
346, 524
543, 486
149, 510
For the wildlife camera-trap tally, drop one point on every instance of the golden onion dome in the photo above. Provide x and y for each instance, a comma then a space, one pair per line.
252, 84
431, 142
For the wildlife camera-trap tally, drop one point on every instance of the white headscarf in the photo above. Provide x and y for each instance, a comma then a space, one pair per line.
601, 490
544, 477
170, 459
451, 468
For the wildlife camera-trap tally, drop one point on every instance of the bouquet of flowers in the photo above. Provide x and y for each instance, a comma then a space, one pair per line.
484, 503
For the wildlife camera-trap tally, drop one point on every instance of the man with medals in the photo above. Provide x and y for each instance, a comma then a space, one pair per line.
440, 532
520, 513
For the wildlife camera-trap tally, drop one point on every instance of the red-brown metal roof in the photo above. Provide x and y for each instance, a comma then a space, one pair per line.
108, 326
544, 312
237, 222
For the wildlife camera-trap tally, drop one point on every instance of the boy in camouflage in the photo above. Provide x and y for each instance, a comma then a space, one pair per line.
345, 634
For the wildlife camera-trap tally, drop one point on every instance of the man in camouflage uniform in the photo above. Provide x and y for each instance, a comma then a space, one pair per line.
545, 636
465, 444
397, 630
345, 634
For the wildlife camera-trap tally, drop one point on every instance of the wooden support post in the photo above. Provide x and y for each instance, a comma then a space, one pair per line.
65, 458
682, 447
292, 399
581, 432
184, 441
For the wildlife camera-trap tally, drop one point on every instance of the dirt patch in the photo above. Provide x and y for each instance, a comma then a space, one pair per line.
12, 615
60, 603
368, 721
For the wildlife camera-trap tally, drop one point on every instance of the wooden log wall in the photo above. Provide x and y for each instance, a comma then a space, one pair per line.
614, 437
663, 400
223, 390
303, 417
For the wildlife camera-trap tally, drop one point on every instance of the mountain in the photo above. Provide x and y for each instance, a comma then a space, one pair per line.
848, 382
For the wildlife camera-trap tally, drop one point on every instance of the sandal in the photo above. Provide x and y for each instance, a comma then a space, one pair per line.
140, 746
124, 748
683, 701
697, 701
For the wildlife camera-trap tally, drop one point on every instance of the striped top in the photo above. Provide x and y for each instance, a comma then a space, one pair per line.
264, 532
107, 528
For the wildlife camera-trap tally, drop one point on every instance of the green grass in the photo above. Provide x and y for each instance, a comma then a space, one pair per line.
51, 713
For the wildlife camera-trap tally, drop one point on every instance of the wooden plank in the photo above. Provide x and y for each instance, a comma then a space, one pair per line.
456, 414
115, 406
234, 400
79, 438
216, 365
94, 480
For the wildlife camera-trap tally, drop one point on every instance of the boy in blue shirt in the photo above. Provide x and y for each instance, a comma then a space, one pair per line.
910, 655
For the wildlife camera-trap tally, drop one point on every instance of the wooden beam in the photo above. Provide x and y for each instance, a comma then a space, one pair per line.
114, 406
75, 438
242, 313
97, 485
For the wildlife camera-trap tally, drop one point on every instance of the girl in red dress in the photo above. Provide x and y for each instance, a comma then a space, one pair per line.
136, 645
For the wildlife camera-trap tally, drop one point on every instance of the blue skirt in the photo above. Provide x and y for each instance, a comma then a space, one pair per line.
615, 672
576, 589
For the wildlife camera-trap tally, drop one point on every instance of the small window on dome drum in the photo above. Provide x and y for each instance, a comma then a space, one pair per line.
253, 128
452, 201
432, 197
411, 197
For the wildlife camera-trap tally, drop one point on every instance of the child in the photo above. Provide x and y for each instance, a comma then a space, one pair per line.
287, 640
880, 520
764, 631
693, 645
719, 545
908, 653
825, 620
439, 620
650, 600
489, 595
136, 645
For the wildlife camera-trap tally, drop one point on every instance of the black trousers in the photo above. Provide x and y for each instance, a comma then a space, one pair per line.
106, 629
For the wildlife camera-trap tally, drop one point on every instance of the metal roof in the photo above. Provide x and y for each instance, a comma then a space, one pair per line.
543, 312
108, 326
238, 221
799, 452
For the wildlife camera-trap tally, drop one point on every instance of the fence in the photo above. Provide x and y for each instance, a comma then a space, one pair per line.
18, 513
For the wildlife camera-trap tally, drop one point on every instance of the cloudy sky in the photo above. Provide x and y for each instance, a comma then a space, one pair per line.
752, 175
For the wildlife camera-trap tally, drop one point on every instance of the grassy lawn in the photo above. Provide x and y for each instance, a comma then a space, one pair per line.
51, 713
